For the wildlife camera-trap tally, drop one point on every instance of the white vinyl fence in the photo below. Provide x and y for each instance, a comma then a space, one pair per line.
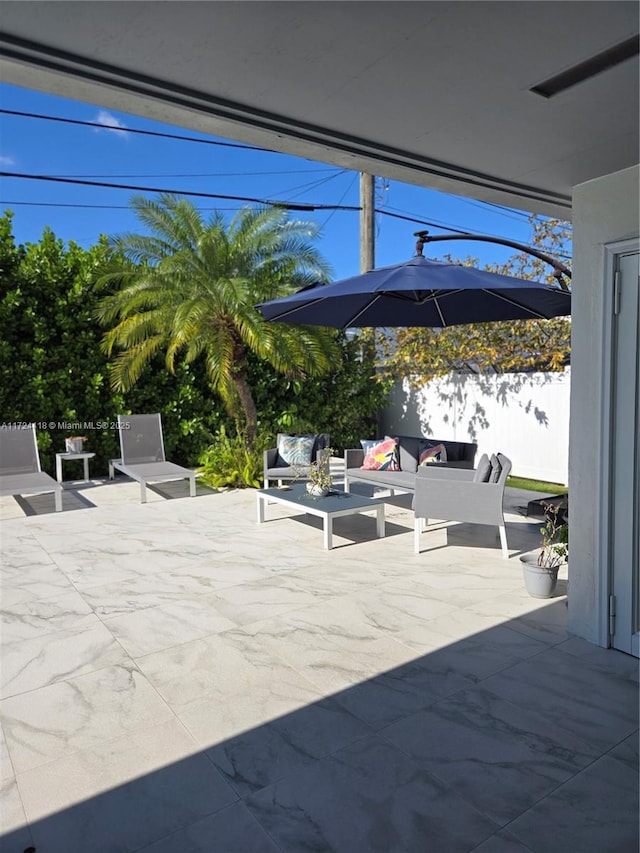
523, 415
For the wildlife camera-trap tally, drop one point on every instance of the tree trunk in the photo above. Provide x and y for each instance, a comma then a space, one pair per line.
248, 405
239, 379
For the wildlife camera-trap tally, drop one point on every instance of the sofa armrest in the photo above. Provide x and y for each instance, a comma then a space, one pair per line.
270, 457
444, 472
459, 463
353, 458
475, 503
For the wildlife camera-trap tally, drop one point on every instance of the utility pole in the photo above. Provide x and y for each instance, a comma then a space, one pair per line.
367, 222
367, 244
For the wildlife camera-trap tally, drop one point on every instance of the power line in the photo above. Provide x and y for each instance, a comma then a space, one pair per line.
500, 210
208, 174
446, 227
335, 173
58, 204
443, 225
113, 186
136, 130
333, 208
330, 207
420, 221
342, 198
302, 188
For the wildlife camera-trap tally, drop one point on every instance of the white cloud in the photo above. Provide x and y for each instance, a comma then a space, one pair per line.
7, 161
110, 122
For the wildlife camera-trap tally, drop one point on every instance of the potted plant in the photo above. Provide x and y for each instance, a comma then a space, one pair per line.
540, 568
319, 476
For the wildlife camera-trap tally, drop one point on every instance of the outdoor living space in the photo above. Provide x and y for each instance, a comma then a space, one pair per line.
177, 677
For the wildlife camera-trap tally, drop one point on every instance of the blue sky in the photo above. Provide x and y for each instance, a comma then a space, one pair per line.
38, 147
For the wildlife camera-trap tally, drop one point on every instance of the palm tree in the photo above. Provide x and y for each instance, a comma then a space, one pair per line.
189, 288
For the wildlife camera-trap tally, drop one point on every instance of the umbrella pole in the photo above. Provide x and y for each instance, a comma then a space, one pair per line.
559, 270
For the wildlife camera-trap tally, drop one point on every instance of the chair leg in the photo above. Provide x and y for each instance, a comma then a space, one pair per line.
346, 485
503, 541
192, 486
143, 493
417, 530
57, 497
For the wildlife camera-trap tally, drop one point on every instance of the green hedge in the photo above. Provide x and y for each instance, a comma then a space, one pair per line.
53, 372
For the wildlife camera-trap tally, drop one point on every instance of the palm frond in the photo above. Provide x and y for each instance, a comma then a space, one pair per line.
129, 365
176, 220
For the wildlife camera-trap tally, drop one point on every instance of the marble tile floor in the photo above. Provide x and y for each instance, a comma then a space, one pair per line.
179, 679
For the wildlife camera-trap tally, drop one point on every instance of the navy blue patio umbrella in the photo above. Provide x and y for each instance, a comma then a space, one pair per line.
419, 292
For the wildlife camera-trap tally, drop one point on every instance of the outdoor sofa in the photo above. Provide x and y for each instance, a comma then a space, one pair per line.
459, 454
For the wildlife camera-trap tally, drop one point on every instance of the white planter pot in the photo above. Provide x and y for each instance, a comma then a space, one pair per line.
317, 491
539, 581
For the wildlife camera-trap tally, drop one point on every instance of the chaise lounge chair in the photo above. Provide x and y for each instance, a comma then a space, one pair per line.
458, 494
20, 472
142, 454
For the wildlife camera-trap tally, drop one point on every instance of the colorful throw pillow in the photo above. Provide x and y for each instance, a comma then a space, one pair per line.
382, 456
295, 449
409, 448
435, 454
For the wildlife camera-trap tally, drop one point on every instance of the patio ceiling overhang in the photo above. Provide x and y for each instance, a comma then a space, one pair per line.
437, 94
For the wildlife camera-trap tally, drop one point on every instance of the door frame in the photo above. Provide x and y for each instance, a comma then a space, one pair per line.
605, 574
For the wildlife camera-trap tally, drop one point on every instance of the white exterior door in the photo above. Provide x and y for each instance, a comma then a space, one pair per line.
624, 521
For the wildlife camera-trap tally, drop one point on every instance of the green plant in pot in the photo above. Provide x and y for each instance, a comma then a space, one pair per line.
319, 476
540, 568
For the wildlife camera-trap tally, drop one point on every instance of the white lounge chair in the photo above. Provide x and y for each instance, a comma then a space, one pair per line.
20, 472
142, 454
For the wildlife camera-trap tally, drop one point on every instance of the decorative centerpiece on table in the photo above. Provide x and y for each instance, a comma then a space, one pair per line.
319, 476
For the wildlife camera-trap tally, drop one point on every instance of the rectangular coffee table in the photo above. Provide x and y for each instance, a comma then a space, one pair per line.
335, 505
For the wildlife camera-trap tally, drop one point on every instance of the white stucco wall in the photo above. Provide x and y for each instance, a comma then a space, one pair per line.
523, 415
605, 211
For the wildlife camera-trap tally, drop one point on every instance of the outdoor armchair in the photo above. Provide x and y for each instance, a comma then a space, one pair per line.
458, 494
20, 471
276, 467
142, 454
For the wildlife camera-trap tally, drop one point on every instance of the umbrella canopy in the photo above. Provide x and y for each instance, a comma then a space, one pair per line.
420, 292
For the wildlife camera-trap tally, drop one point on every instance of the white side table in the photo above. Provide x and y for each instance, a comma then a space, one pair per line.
64, 457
